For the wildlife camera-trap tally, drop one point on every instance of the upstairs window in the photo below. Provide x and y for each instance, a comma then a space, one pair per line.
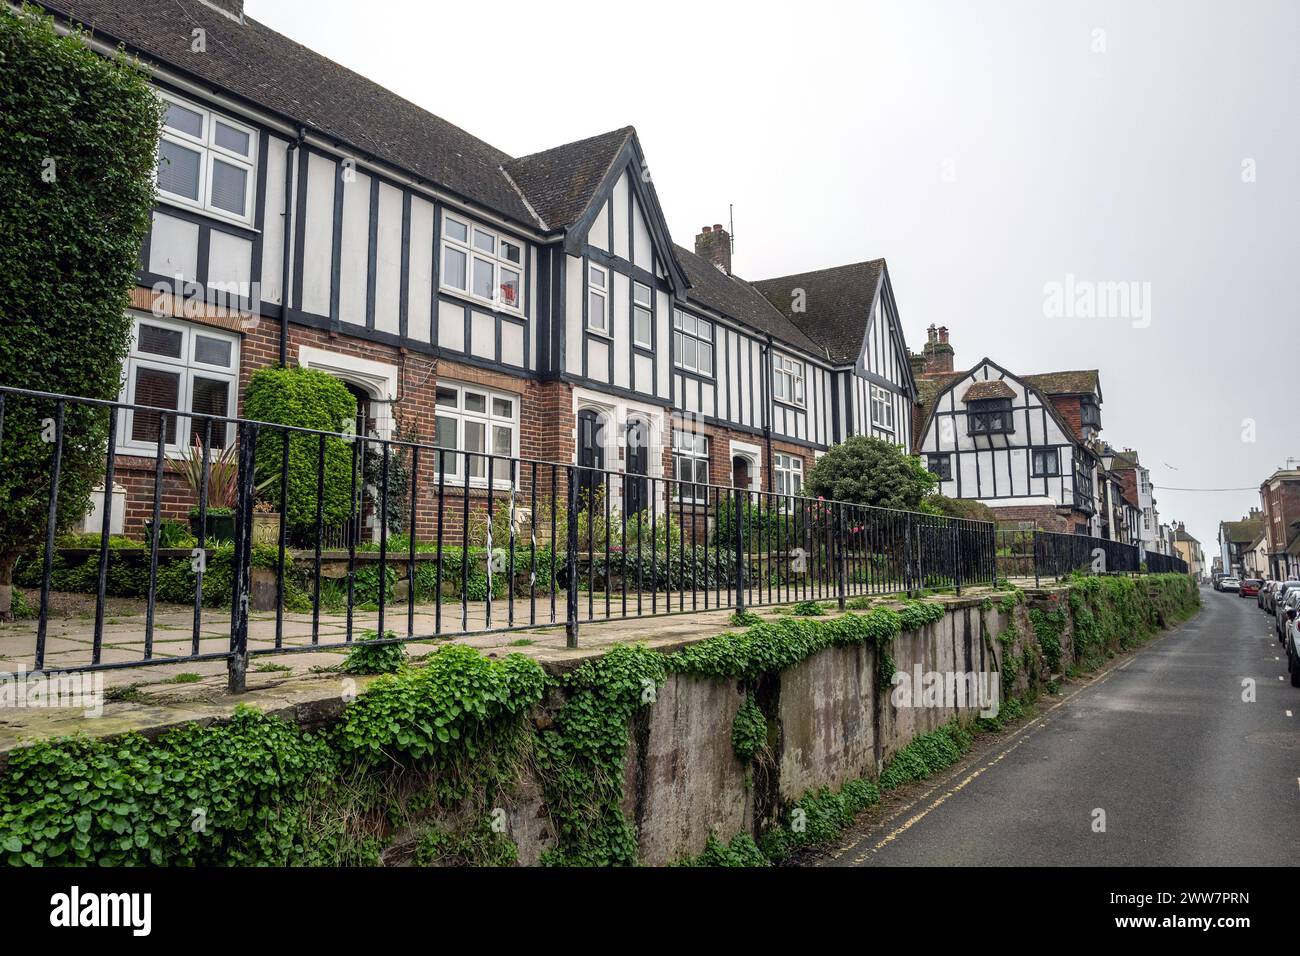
206, 161
692, 343
598, 299
641, 316
1089, 412
482, 263
787, 379
991, 416
882, 408
940, 465
1045, 463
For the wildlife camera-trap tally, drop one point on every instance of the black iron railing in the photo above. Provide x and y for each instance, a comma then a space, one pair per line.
1036, 554
336, 535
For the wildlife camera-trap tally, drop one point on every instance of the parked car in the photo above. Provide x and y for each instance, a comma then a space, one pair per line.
1249, 587
1291, 614
1229, 584
1279, 604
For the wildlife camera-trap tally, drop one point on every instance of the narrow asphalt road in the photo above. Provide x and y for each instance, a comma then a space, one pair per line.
1186, 772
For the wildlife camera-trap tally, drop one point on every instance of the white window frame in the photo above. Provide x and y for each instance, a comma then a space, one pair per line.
788, 380
788, 470
600, 290
691, 451
188, 368
209, 152
686, 326
882, 398
488, 418
648, 308
497, 259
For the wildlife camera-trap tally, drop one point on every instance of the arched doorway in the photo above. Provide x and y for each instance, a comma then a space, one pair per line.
740, 476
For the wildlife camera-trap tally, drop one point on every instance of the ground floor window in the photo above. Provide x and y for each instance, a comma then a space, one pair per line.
789, 474
180, 367
480, 421
690, 465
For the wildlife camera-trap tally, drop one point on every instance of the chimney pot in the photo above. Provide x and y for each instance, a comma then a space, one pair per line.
715, 245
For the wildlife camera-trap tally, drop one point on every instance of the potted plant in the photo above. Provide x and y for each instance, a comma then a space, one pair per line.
266, 523
223, 486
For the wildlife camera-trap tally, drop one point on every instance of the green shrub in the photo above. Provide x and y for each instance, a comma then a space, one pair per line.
306, 398
79, 134
870, 471
367, 658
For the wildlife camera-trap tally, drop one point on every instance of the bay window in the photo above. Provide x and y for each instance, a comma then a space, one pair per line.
482, 263
206, 161
478, 421
181, 368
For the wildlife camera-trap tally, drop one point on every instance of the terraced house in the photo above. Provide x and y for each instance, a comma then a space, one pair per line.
531, 306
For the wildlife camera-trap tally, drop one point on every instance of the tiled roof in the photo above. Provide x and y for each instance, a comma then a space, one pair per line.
837, 304
1243, 532
560, 183
1181, 535
738, 299
265, 68
993, 388
1082, 382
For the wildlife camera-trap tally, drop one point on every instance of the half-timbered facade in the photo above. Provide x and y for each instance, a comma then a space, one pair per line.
533, 306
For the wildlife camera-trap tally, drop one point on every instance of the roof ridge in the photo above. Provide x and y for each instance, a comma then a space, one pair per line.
627, 131
812, 272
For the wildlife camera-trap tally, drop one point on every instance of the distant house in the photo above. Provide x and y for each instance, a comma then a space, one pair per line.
1025, 445
1189, 549
1279, 497
1236, 540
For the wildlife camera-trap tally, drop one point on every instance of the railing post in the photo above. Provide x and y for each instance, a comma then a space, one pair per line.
956, 551
571, 564
1037, 582
740, 551
907, 564
241, 585
842, 573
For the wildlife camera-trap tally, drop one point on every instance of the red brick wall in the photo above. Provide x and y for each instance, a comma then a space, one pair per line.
1045, 517
1069, 408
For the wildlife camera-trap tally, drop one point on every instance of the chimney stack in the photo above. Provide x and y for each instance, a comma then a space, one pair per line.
937, 353
715, 245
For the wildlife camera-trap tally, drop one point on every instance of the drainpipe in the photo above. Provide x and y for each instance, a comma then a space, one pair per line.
285, 265
768, 385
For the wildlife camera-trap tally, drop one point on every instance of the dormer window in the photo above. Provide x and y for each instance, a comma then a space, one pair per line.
1089, 412
990, 416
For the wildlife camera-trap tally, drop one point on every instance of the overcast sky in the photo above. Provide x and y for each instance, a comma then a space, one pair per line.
984, 149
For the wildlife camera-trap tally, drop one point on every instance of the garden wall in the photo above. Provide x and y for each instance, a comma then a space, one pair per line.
770, 737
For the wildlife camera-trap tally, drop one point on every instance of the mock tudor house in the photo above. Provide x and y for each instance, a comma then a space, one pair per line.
532, 306
1237, 539
1025, 445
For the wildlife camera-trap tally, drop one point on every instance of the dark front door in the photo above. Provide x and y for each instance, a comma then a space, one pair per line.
591, 456
635, 499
